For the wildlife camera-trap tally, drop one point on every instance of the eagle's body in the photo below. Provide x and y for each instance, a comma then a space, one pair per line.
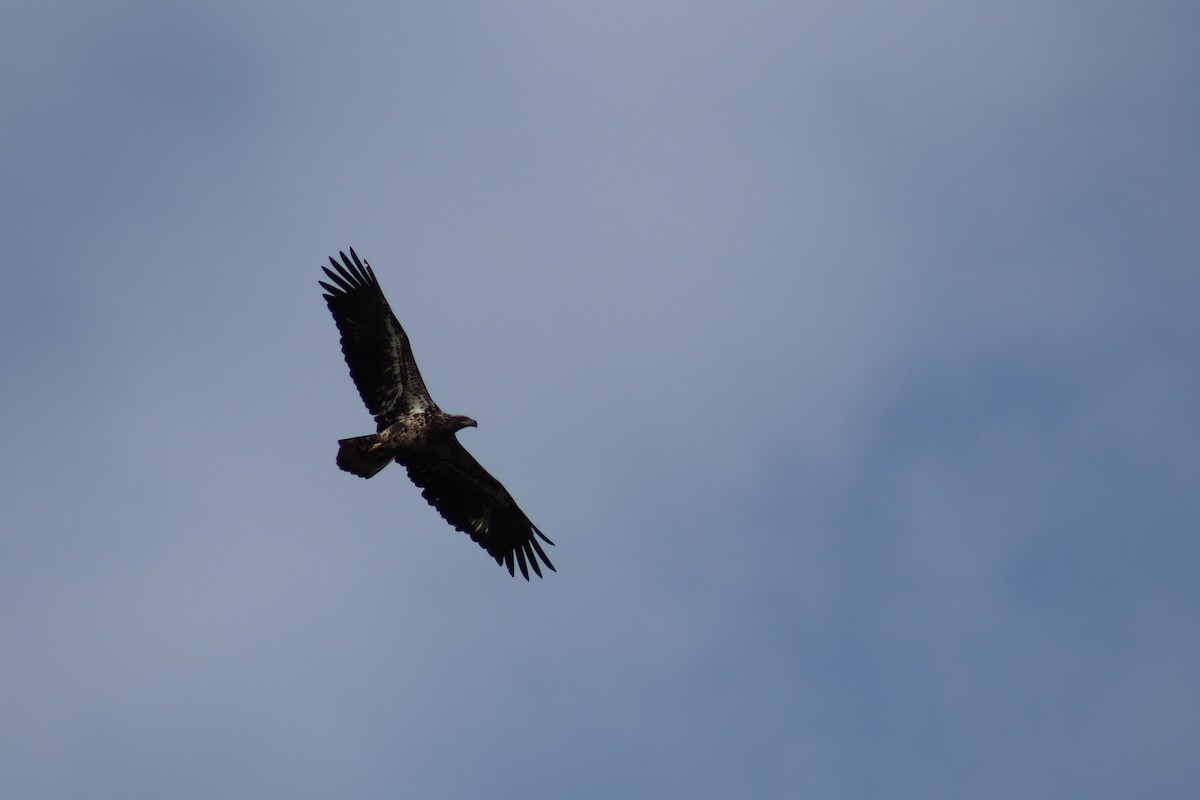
413, 431
413, 436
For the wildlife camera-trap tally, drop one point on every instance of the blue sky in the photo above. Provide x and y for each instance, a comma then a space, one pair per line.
846, 350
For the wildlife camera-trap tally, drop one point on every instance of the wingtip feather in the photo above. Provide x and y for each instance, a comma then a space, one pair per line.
533, 562
537, 547
364, 267
543, 536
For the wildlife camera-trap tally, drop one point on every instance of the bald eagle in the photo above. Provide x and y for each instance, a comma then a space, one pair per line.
413, 431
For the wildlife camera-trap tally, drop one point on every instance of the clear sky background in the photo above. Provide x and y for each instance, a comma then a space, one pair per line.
848, 351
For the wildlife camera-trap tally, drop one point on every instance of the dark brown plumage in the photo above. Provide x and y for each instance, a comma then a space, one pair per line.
413, 431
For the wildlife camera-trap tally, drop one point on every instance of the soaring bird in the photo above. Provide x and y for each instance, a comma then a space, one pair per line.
413, 431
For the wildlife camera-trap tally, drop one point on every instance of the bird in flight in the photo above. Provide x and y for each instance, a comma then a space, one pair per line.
412, 430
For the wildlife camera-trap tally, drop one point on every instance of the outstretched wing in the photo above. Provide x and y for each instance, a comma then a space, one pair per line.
477, 504
376, 348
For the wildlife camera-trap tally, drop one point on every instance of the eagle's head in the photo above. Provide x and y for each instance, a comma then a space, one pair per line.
458, 421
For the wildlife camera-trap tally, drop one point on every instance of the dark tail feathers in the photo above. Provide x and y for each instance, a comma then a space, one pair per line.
359, 456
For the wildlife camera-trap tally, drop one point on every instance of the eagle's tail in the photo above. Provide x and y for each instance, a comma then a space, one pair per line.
362, 455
